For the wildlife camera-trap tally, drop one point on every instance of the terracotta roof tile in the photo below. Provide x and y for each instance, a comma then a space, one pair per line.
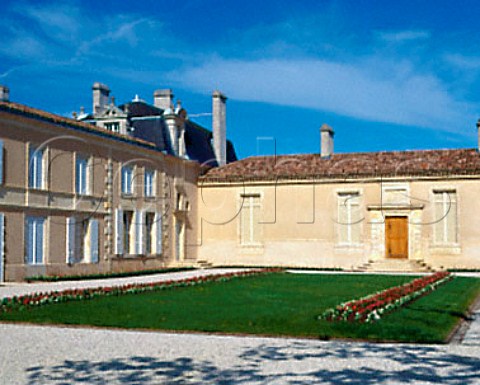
63, 121
349, 165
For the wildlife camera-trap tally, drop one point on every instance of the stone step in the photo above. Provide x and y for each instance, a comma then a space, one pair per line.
392, 265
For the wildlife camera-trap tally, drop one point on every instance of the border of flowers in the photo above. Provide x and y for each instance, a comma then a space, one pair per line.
43, 298
372, 307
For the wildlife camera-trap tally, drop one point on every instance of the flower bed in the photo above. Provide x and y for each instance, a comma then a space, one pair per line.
38, 299
372, 307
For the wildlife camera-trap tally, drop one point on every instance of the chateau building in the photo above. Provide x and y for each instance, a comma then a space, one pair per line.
114, 190
141, 186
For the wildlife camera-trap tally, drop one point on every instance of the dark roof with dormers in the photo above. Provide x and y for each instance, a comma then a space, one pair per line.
349, 165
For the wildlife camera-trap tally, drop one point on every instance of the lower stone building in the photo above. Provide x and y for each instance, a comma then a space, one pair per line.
375, 211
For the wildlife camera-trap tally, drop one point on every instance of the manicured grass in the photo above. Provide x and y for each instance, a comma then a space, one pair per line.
275, 304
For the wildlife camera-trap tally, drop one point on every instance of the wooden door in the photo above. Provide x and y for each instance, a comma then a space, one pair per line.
396, 237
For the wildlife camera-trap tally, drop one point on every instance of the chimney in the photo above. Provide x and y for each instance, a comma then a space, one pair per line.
326, 141
4, 94
478, 130
219, 127
163, 99
100, 97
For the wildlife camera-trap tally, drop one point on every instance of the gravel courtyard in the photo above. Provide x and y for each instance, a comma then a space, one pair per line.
34, 355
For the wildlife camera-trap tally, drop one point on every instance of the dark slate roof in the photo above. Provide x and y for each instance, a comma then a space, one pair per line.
198, 144
352, 165
153, 131
141, 108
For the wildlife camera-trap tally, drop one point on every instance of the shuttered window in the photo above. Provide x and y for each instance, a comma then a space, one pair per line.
349, 218
445, 217
35, 242
36, 167
250, 226
139, 231
81, 175
149, 187
127, 180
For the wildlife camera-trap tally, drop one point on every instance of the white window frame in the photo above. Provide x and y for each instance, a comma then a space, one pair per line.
149, 183
36, 165
441, 238
82, 180
36, 260
127, 179
346, 199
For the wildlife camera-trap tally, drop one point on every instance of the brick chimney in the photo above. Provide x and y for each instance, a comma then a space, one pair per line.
326, 141
219, 110
101, 93
163, 99
4, 94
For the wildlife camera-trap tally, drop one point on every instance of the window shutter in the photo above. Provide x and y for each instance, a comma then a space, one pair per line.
119, 231
139, 220
2, 247
71, 231
1, 162
94, 240
158, 233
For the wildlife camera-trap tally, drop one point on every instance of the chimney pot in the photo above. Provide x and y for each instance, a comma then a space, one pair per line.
219, 116
100, 97
4, 94
326, 141
478, 130
163, 99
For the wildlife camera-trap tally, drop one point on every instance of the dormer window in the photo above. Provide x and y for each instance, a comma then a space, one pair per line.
113, 126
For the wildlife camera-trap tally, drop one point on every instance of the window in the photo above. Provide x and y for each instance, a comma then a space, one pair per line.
127, 231
81, 176
114, 126
35, 241
348, 218
250, 226
76, 238
82, 240
149, 233
127, 180
445, 217
149, 186
36, 168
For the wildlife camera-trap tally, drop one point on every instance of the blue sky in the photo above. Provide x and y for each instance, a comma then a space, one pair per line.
385, 75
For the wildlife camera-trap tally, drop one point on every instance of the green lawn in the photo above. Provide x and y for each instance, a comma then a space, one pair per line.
275, 304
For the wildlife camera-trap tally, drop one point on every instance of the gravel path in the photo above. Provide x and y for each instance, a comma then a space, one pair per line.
11, 289
37, 355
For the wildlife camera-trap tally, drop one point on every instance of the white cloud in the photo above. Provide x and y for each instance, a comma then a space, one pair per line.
403, 36
374, 90
463, 62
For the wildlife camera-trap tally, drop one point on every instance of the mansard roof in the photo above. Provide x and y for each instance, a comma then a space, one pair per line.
349, 165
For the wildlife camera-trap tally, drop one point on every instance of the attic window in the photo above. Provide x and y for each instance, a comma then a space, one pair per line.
114, 126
